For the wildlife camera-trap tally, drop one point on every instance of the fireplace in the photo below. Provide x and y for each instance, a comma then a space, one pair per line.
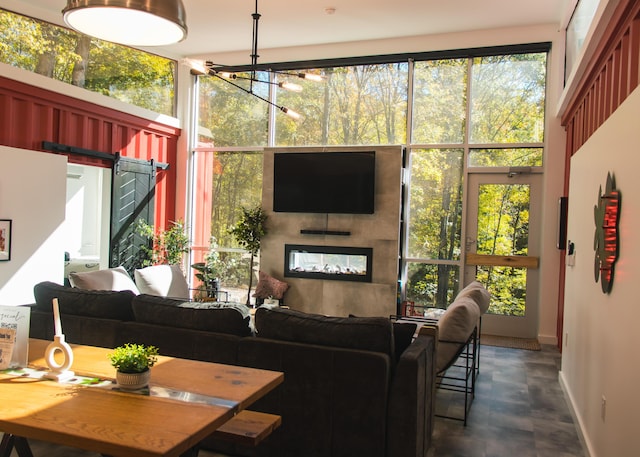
328, 262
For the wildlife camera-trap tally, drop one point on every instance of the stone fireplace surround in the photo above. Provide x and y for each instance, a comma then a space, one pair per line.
378, 231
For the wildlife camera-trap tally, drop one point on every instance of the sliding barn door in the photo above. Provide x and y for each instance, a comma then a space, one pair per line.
133, 195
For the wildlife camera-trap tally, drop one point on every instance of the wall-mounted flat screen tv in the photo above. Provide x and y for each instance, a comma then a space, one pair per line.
324, 182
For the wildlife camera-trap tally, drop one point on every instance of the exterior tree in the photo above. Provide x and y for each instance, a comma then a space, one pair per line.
120, 72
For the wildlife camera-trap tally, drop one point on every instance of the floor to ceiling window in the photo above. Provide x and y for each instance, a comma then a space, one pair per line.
354, 105
459, 116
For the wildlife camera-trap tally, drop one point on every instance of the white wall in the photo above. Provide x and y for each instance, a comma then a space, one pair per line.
599, 356
32, 194
553, 185
88, 213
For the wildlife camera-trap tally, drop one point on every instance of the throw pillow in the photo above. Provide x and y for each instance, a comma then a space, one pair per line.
115, 279
269, 286
162, 281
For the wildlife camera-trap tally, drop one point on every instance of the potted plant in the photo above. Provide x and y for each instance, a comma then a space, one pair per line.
249, 231
133, 364
207, 276
207, 271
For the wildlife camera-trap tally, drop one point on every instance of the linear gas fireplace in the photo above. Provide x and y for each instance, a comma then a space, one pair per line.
328, 262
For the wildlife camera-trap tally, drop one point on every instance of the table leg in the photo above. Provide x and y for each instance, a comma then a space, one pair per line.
193, 452
9, 442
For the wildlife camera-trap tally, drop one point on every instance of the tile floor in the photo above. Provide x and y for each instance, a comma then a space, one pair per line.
519, 410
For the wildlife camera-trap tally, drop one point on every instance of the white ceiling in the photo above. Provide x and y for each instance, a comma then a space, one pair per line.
221, 26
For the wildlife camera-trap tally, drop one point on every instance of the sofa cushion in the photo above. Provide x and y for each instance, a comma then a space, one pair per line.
454, 328
109, 279
229, 318
163, 281
403, 336
105, 304
364, 333
478, 293
459, 320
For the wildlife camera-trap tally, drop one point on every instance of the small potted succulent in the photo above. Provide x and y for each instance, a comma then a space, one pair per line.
132, 363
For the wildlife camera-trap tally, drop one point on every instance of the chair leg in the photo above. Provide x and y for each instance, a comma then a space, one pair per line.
467, 384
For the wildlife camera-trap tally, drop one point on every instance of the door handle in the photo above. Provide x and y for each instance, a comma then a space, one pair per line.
469, 242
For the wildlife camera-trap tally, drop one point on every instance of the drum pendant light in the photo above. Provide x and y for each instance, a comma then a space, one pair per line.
129, 22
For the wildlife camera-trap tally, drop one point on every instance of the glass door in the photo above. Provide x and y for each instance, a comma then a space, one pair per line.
501, 249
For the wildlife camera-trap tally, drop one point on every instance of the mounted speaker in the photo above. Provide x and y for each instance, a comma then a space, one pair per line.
563, 207
324, 232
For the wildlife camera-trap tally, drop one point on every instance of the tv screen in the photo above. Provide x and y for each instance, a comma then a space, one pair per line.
324, 182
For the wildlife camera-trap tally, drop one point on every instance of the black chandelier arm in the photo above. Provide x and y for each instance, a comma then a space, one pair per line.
236, 76
253, 72
250, 92
254, 44
233, 76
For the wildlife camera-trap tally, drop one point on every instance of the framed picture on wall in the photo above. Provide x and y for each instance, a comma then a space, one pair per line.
5, 239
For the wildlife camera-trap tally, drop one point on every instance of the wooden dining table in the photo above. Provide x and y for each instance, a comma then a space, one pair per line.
187, 401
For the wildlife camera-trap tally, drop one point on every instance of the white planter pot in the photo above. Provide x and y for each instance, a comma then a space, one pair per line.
133, 381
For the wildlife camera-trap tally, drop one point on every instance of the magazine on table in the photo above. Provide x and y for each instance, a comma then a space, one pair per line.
14, 336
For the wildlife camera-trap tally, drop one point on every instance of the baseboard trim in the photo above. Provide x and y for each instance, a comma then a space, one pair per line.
577, 419
548, 339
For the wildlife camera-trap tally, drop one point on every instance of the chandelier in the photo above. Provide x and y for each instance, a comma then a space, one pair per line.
129, 22
223, 73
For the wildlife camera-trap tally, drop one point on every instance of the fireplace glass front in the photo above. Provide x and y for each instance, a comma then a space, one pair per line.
328, 262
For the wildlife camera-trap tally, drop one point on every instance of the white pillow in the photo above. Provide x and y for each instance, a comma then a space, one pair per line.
477, 293
162, 281
111, 279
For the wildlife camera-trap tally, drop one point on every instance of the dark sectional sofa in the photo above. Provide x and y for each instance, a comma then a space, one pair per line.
353, 386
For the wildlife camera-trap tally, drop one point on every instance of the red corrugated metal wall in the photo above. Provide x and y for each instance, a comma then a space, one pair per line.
608, 80
31, 115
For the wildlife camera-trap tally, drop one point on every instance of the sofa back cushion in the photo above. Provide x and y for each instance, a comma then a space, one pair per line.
108, 279
105, 304
363, 333
459, 320
403, 333
477, 293
454, 329
230, 318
